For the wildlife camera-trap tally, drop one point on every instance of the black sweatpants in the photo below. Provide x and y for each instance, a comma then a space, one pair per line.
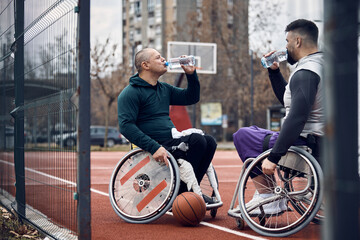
200, 153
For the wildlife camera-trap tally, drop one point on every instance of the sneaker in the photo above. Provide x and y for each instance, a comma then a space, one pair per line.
271, 208
211, 202
284, 205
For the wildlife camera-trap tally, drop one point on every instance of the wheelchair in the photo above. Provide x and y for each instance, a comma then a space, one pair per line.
142, 189
297, 182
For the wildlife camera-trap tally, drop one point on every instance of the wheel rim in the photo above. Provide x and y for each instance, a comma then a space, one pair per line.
281, 224
142, 187
70, 142
110, 143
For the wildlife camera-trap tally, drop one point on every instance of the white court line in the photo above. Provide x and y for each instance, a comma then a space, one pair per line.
232, 231
107, 195
55, 178
227, 230
99, 192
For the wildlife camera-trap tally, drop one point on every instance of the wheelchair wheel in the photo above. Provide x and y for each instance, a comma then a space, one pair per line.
302, 205
296, 177
141, 189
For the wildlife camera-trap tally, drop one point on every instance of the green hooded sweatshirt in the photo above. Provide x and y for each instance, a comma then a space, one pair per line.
143, 110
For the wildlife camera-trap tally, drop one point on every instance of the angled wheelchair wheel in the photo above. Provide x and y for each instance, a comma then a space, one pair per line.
141, 189
289, 208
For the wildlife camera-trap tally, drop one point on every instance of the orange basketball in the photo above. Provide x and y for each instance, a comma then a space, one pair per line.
189, 208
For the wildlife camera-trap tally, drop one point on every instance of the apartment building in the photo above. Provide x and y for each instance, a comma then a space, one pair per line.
152, 23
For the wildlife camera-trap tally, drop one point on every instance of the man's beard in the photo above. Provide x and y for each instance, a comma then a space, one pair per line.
290, 59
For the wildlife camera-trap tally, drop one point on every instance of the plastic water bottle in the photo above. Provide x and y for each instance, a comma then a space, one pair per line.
177, 62
277, 56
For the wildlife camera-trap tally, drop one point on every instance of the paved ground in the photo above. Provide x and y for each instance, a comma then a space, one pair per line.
107, 225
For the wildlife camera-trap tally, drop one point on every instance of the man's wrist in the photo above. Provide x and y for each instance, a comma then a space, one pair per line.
273, 71
154, 148
274, 157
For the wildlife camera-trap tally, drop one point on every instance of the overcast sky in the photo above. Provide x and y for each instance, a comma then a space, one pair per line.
106, 21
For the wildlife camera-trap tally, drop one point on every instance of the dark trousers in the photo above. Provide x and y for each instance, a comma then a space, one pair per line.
200, 153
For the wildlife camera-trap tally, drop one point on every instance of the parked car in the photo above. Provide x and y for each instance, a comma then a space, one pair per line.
97, 135
10, 136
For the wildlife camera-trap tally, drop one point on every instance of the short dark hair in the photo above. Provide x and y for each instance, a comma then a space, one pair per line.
141, 56
306, 28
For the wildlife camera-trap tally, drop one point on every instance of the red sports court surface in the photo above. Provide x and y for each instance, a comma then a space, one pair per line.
106, 224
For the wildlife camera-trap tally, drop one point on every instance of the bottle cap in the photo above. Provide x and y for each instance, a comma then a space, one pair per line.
166, 64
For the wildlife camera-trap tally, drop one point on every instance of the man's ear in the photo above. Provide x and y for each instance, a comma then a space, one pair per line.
299, 41
145, 65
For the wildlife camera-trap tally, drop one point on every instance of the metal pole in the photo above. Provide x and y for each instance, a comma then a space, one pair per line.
133, 47
341, 143
252, 88
83, 90
19, 102
3, 104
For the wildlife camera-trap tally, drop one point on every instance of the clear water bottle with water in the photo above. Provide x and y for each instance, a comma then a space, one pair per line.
277, 56
177, 62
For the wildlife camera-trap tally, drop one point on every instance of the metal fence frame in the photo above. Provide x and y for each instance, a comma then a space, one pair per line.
19, 157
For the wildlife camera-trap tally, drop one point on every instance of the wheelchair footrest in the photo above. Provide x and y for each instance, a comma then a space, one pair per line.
214, 205
235, 212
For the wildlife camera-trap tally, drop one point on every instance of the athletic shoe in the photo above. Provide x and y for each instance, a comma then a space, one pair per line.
271, 208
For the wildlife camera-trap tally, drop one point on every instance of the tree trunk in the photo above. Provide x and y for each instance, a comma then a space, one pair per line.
107, 112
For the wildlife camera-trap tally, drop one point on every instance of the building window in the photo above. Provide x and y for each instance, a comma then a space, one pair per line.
137, 6
158, 42
230, 20
151, 43
151, 6
131, 36
158, 29
199, 15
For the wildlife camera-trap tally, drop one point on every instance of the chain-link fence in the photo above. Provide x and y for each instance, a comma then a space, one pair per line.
39, 113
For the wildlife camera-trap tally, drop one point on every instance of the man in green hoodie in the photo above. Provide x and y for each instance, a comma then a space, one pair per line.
143, 112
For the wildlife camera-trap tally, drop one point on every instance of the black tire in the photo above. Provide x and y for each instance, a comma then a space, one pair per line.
286, 222
110, 142
70, 142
